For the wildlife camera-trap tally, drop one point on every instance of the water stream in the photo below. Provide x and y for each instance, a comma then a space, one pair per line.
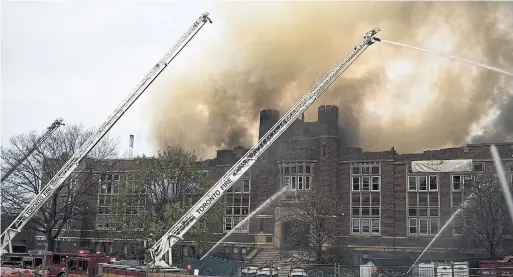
440, 232
502, 179
493, 149
254, 212
450, 57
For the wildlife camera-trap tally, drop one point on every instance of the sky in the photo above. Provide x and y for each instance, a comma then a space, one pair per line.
78, 60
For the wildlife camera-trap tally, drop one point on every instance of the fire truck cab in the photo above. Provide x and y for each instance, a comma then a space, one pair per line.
56, 264
81, 264
30, 260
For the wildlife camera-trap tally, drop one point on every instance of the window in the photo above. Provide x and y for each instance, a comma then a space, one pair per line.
356, 225
423, 206
422, 182
423, 226
109, 204
56, 259
459, 182
366, 198
72, 265
433, 183
243, 252
412, 226
375, 183
423, 221
365, 177
105, 222
237, 204
83, 265
412, 183
365, 225
109, 184
296, 176
478, 167
434, 226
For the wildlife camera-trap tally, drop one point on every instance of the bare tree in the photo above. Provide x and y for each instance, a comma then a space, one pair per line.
313, 228
485, 220
172, 181
70, 200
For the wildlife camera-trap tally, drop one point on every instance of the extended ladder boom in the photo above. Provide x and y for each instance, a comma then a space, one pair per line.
176, 232
49, 131
82, 152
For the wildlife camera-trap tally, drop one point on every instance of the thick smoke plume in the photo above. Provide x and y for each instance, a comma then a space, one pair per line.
267, 55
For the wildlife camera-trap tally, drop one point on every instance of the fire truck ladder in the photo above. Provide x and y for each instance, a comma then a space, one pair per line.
82, 152
171, 237
49, 131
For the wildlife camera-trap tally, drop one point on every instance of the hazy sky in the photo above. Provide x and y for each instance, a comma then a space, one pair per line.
79, 59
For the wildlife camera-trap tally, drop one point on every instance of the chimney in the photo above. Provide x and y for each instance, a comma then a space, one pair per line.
131, 146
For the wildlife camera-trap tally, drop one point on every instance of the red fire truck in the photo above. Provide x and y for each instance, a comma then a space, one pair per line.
81, 264
497, 268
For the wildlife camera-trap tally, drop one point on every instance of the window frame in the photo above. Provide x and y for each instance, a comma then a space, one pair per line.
352, 183
482, 164
429, 182
372, 183
427, 220
353, 220
417, 178
419, 183
421, 221
415, 219
238, 205
460, 182
366, 185
416, 183
421, 202
294, 174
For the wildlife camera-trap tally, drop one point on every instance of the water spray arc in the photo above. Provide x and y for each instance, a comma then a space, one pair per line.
453, 216
502, 71
257, 210
502, 179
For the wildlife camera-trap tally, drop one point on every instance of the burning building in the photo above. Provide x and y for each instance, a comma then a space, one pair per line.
382, 205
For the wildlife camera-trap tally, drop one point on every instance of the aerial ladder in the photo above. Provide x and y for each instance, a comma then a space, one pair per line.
163, 246
59, 178
49, 131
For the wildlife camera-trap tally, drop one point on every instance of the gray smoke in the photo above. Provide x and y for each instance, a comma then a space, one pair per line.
501, 128
269, 54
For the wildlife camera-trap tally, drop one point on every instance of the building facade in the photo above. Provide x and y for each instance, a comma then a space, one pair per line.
384, 206
99, 184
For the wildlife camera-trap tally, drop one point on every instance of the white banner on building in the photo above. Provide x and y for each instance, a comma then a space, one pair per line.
442, 166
